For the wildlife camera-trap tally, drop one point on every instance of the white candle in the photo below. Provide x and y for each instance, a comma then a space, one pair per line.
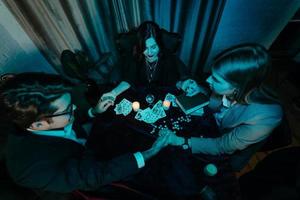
166, 104
135, 106
210, 169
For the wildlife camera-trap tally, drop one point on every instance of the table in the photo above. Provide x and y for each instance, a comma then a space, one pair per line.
121, 134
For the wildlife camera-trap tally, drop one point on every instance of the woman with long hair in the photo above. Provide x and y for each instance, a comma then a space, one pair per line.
150, 62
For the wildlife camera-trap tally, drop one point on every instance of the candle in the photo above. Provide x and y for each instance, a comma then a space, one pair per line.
136, 106
210, 169
166, 104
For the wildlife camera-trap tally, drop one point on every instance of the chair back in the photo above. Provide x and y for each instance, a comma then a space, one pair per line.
126, 41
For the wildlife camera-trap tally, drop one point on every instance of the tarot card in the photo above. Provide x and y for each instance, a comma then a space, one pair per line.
158, 110
124, 107
139, 115
148, 116
150, 119
118, 109
142, 113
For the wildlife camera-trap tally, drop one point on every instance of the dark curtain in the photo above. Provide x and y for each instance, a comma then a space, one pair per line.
92, 25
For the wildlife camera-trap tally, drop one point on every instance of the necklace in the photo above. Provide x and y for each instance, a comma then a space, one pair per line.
151, 69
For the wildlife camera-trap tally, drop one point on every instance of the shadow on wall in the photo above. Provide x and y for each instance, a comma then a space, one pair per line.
78, 65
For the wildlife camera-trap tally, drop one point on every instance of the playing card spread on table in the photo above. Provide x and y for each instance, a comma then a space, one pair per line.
158, 110
139, 115
147, 116
124, 107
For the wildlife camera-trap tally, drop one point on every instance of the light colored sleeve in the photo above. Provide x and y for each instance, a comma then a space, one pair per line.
123, 86
238, 138
139, 159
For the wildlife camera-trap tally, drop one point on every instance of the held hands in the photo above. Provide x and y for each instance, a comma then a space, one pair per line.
160, 143
165, 131
106, 100
173, 139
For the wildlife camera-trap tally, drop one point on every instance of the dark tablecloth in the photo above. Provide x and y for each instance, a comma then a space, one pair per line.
173, 172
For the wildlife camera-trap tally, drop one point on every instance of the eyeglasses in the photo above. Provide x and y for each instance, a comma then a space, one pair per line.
69, 111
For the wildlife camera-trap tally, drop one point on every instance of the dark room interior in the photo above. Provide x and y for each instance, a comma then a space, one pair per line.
133, 69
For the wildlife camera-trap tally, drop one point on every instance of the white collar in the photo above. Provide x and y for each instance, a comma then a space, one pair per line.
227, 103
59, 133
66, 132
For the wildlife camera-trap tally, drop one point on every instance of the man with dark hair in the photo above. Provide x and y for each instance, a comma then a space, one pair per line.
47, 149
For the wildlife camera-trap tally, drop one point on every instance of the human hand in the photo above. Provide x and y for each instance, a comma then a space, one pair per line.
165, 131
104, 103
160, 143
173, 139
109, 95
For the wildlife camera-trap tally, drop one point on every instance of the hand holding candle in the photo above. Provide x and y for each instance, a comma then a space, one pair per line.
135, 106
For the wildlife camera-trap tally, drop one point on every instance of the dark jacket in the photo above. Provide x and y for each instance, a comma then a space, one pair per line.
169, 70
61, 165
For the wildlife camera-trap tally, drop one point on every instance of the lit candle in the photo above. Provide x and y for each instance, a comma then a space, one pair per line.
166, 104
210, 169
136, 106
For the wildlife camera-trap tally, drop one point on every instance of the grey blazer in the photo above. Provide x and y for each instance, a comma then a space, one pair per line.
241, 126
